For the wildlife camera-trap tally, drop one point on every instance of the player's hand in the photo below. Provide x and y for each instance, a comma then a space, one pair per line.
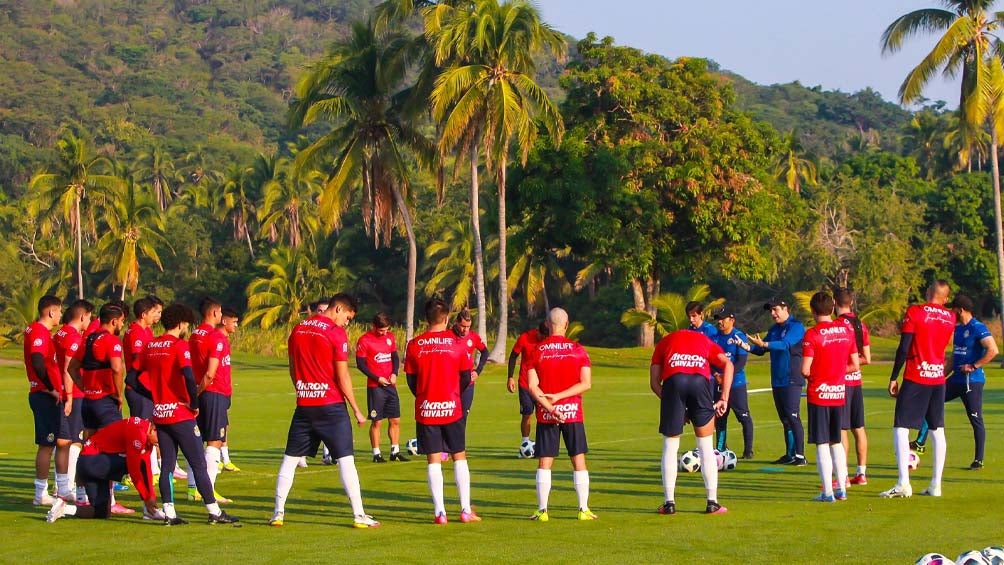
755, 340
195, 412
474, 376
558, 416
510, 384
393, 380
383, 381
893, 388
360, 417
720, 407
551, 397
55, 394
68, 406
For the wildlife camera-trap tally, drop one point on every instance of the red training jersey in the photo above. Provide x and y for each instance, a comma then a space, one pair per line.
932, 326
164, 358
687, 352
127, 437
93, 327
37, 339
854, 379
136, 338
314, 347
206, 343
96, 372
222, 383
558, 363
378, 351
69, 343
524, 343
830, 345
436, 359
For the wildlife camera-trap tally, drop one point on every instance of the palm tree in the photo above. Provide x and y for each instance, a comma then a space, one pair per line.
232, 201
487, 98
60, 191
671, 312
157, 168
966, 141
791, 168
294, 279
969, 48
287, 207
533, 270
357, 89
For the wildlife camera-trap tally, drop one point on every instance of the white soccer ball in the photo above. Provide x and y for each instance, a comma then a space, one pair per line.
972, 557
913, 461
933, 559
690, 462
731, 460
994, 554
527, 449
412, 446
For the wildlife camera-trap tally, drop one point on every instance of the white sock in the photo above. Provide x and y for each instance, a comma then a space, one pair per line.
169, 510
861, 469
543, 488
284, 481
670, 451
225, 452
71, 465
62, 484
581, 481
824, 464
436, 488
41, 487
526, 438
709, 465
376, 451
70, 510
839, 464
154, 461
350, 482
939, 446
212, 464
213, 509
395, 448
111, 492
462, 476
901, 439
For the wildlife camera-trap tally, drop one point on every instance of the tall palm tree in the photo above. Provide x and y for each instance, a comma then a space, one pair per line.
791, 167
532, 271
61, 190
288, 204
487, 99
968, 48
357, 89
294, 279
156, 167
232, 201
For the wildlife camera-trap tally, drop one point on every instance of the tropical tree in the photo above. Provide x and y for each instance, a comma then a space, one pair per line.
532, 272
791, 167
232, 201
156, 167
288, 204
486, 99
451, 264
293, 279
670, 310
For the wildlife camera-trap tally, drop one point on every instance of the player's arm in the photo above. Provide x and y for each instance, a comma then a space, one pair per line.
211, 367
990, 346
192, 387
141, 472
585, 383
412, 379
740, 363
465, 379
806, 365
793, 337
865, 357
343, 380
728, 372
118, 372
67, 387
482, 360
38, 365
509, 382
544, 400
655, 379
395, 366
364, 368
905, 341
73, 367
853, 363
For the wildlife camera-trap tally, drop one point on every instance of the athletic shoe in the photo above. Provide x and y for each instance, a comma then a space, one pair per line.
440, 519
119, 487
976, 465
840, 494
57, 511
231, 468
220, 498
823, 497
398, 457
176, 521
784, 460
362, 521
224, 518
157, 514
540, 515
379, 458
747, 455
668, 507
277, 519
119, 509
858, 479
587, 514
179, 474
898, 492
468, 516
715, 508
302, 463
834, 483
799, 461
931, 491
918, 447
327, 460
193, 494
44, 500
69, 497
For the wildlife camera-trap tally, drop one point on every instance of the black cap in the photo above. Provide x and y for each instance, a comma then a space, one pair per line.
776, 301
962, 302
723, 311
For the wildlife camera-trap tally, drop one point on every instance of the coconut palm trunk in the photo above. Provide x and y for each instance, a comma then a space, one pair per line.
498, 354
994, 165
409, 325
479, 259
80, 251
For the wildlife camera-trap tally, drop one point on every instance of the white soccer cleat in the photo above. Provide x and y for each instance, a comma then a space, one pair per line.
931, 491
364, 521
157, 515
44, 500
57, 511
898, 491
302, 463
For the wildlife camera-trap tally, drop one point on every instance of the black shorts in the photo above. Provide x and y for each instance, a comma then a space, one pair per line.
467, 399
139, 405
72, 426
526, 404
383, 402
313, 424
100, 412
442, 438
916, 403
685, 397
573, 433
213, 419
853, 414
48, 414
824, 423
94, 472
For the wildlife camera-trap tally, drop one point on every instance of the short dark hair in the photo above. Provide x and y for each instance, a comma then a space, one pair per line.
463, 315
77, 309
48, 301
142, 306
843, 297
109, 312
175, 314
694, 307
381, 320
207, 305
436, 311
821, 304
230, 313
156, 300
343, 300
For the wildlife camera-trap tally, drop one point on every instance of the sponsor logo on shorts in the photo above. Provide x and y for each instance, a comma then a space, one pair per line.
437, 409
50, 437
223, 432
197, 432
373, 413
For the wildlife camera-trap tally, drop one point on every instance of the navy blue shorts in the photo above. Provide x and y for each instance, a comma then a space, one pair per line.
916, 403
444, 438
383, 402
526, 404
467, 399
48, 414
72, 426
685, 397
139, 405
574, 435
94, 472
853, 415
213, 419
100, 412
313, 424
824, 423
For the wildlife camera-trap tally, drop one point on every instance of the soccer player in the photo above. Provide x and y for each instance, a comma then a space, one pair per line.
559, 373
115, 450
45, 397
524, 343
784, 342
462, 327
100, 371
318, 352
438, 369
137, 336
679, 376
377, 358
314, 308
829, 354
854, 406
225, 385
733, 342
68, 341
209, 346
695, 314
925, 333
168, 361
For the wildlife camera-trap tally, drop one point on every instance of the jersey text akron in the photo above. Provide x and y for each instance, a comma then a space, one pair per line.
165, 410
437, 409
569, 411
930, 370
683, 360
311, 390
830, 392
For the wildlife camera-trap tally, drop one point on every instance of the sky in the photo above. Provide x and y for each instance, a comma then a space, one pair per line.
831, 44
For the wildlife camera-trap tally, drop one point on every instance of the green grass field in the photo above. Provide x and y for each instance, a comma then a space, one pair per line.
770, 518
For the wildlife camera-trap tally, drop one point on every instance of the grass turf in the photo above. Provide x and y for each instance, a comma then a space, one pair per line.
770, 517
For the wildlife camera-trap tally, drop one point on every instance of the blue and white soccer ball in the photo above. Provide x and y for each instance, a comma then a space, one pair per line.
527, 449
994, 554
731, 460
412, 446
972, 557
933, 559
690, 461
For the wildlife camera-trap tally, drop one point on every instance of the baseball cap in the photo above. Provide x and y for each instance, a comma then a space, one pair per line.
776, 301
962, 301
723, 311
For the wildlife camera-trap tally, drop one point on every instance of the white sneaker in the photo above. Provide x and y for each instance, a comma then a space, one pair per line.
277, 519
44, 500
931, 491
57, 511
898, 491
364, 521
302, 463
157, 515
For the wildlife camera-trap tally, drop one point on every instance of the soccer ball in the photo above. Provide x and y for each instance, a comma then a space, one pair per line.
972, 557
994, 554
933, 559
527, 449
412, 446
720, 458
913, 461
731, 460
690, 462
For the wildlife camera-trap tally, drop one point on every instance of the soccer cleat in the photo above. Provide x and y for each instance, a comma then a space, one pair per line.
362, 521
715, 508
931, 491
277, 519
302, 463
858, 479
119, 487
976, 465
44, 500
668, 507
840, 494
799, 461
157, 515
379, 458
57, 511
230, 467
119, 509
220, 498
179, 474
468, 516
747, 454
193, 494
176, 521
224, 518
327, 460
918, 447
898, 492
398, 457
440, 519
540, 515
823, 497
784, 460
587, 514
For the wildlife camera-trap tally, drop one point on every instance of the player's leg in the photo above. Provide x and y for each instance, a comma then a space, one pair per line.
75, 426
857, 425
909, 414
526, 409
213, 428
972, 400
721, 424
45, 411
62, 463
94, 472
818, 436
936, 420
374, 407
739, 404
334, 427
430, 444
696, 396
455, 443
169, 458
546, 446
467, 399
300, 441
574, 435
793, 409
778, 394
837, 452
187, 437
671, 418
392, 411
